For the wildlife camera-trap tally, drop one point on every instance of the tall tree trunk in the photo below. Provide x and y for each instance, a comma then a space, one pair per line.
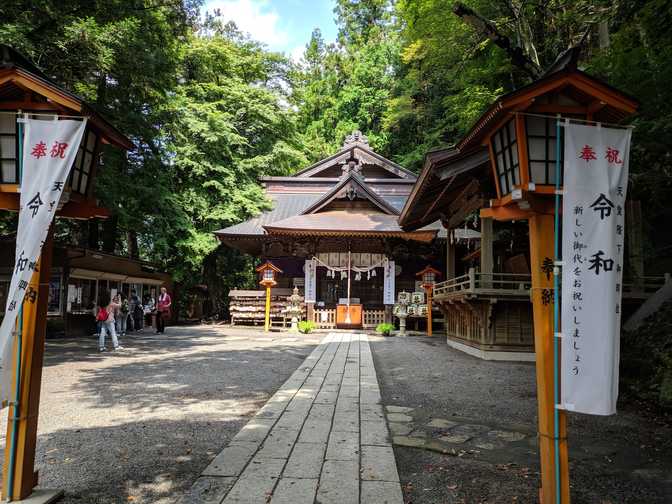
487, 29
132, 239
603, 31
110, 234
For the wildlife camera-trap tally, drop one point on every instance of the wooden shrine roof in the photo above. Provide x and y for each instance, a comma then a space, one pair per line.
348, 223
447, 189
355, 192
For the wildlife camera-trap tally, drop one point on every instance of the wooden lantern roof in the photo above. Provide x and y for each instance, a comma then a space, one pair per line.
23, 86
428, 269
26, 88
583, 95
457, 181
266, 266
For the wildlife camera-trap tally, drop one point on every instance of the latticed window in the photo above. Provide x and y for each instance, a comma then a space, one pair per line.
9, 168
81, 169
541, 149
505, 148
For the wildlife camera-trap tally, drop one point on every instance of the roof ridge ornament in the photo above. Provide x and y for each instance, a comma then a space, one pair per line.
351, 167
356, 137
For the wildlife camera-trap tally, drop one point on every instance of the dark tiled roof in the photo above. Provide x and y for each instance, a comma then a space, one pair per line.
284, 205
287, 205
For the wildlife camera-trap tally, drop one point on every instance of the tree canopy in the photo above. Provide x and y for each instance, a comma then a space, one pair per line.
211, 110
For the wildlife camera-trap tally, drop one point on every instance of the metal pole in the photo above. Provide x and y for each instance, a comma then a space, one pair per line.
556, 304
15, 409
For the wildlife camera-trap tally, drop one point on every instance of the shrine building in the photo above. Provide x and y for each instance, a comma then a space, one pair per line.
333, 231
491, 182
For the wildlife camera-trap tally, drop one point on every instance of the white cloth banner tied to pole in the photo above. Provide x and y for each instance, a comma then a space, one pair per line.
388, 282
595, 186
49, 151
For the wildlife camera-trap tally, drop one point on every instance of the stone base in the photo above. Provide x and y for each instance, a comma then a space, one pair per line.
42, 496
492, 354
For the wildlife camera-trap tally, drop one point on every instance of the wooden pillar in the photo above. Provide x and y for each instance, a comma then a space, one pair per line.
541, 247
633, 233
310, 311
267, 311
388, 314
487, 253
450, 258
32, 357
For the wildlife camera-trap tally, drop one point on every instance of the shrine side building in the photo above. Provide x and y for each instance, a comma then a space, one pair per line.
333, 230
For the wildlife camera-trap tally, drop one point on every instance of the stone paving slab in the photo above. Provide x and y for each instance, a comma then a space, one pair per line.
304, 445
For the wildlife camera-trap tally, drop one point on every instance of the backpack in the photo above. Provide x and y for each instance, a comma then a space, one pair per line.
103, 315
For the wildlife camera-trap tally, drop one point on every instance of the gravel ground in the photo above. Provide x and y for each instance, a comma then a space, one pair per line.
141, 424
613, 460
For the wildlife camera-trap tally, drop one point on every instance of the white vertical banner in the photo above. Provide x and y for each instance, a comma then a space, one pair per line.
595, 186
310, 278
49, 151
388, 282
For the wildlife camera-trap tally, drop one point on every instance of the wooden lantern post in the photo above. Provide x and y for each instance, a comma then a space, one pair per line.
46, 99
268, 271
525, 154
428, 276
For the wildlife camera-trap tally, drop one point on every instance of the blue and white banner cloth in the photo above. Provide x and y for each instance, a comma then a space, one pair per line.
49, 151
593, 226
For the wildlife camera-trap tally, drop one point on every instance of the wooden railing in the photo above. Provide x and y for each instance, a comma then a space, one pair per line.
514, 284
373, 317
324, 318
475, 282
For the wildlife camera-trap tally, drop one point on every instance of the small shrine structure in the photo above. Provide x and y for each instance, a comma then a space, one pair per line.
484, 190
334, 232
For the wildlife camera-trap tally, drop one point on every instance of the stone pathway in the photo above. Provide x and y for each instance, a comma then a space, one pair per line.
413, 428
321, 439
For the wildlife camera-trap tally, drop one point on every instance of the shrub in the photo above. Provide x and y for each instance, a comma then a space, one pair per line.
385, 329
306, 326
646, 360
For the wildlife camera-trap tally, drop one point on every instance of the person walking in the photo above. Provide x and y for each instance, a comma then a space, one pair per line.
122, 315
94, 311
137, 313
150, 309
106, 316
163, 310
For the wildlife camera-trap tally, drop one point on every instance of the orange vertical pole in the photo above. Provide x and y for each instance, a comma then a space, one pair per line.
32, 357
541, 249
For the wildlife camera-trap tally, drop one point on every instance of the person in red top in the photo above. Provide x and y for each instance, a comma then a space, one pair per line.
163, 310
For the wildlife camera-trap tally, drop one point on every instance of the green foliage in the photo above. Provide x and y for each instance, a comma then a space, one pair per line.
211, 111
646, 360
306, 326
385, 328
345, 86
224, 131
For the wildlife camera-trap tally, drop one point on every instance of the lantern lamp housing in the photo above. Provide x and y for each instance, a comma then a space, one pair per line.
268, 272
428, 276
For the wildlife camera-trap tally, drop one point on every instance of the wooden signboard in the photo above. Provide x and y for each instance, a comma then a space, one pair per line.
355, 316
